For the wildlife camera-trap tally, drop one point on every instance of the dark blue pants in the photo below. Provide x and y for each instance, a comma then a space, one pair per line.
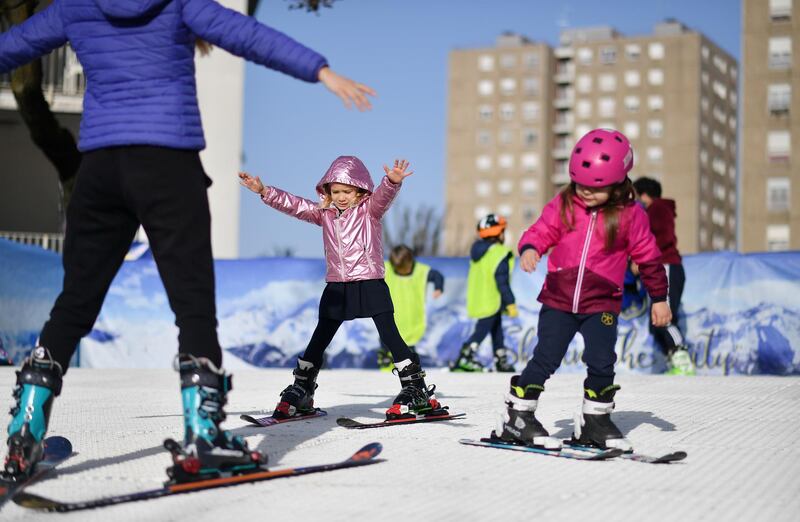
492, 324
556, 330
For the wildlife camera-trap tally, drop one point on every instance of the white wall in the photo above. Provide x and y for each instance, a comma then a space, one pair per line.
220, 90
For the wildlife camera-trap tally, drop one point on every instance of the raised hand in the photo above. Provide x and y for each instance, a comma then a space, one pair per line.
250, 182
398, 172
349, 91
530, 258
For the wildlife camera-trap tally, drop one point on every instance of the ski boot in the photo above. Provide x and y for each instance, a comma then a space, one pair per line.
415, 398
38, 383
207, 450
385, 360
466, 361
680, 362
593, 425
298, 398
519, 424
502, 362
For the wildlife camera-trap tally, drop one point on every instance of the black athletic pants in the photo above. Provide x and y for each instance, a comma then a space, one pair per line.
492, 324
118, 188
670, 336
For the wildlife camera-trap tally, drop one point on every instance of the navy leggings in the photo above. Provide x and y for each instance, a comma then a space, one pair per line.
492, 324
556, 330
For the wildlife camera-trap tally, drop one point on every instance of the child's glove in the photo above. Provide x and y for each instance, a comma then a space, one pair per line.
511, 310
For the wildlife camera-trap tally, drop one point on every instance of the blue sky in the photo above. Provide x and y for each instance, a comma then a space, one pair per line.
294, 130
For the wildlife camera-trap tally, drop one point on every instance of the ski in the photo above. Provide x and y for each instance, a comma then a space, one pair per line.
354, 424
265, 422
638, 457
56, 450
362, 457
566, 452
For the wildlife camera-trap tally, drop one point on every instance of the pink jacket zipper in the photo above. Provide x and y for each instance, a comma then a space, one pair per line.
576, 298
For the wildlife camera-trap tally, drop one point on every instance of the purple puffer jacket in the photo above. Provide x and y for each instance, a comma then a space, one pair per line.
353, 238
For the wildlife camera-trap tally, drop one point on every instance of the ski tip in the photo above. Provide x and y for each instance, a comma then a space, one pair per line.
31, 501
671, 457
607, 454
368, 452
347, 423
58, 444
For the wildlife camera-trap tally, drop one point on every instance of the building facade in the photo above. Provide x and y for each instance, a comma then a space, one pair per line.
770, 166
673, 93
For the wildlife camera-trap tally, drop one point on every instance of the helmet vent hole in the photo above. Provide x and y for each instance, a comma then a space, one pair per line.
605, 157
578, 150
586, 164
598, 180
618, 139
597, 140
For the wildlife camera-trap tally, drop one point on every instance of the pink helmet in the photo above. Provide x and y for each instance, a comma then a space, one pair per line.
602, 157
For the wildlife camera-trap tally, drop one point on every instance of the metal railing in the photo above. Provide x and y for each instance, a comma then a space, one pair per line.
54, 242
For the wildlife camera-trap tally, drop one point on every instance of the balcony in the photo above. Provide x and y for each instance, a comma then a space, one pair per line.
564, 101
562, 53
565, 73
63, 83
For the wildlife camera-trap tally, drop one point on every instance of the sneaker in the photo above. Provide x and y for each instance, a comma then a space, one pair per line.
680, 363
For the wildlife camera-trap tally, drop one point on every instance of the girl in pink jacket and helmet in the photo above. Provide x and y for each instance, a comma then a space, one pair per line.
590, 230
350, 216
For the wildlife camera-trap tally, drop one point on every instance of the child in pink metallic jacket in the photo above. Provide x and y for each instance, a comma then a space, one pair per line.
590, 230
350, 216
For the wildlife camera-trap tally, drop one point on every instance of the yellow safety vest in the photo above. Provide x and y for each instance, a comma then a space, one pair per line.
408, 296
483, 296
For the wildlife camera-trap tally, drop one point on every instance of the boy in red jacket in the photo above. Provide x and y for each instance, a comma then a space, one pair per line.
661, 213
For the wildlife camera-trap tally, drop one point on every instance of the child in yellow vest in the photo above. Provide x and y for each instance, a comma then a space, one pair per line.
408, 281
489, 295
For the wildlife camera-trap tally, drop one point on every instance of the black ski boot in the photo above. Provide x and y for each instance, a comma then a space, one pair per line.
519, 425
298, 398
415, 397
466, 361
38, 383
593, 425
504, 360
207, 451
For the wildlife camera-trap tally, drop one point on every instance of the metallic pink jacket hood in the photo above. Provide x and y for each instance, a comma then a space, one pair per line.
353, 238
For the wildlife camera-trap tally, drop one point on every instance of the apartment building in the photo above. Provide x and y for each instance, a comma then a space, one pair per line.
673, 93
770, 166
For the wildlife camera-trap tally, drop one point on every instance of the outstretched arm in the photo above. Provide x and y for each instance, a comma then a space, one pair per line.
35, 37
387, 189
282, 201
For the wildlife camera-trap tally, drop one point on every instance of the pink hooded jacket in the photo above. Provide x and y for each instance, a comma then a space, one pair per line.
353, 239
583, 277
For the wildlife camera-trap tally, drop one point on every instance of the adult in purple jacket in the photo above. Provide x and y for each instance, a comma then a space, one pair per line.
140, 136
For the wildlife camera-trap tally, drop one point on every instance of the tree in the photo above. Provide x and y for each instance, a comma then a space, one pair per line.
421, 230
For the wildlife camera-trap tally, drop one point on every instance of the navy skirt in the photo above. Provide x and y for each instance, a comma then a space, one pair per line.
354, 299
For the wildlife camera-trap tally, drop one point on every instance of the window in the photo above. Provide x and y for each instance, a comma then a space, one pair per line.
655, 154
778, 237
633, 78
631, 103
655, 51
717, 242
718, 217
704, 77
704, 129
780, 9
584, 83
719, 139
530, 111
703, 208
655, 76
779, 97
703, 157
655, 102
633, 51
529, 137
732, 123
720, 192
655, 128
606, 106
608, 55
485, 87
531, 86
480, 212
585, 55
583, 108
508, 86
505, 186
631, 130
505, 210
486, 62
484, 138
719, 166
530, 186
530, 161
528, 214
780, 52
508, 61
733, 97
779, 145
704, 52
607, 82
531, 61
778, 190
719, 114
504, 137
483, 162
485, 112
581, 129
507, 111
483, 188
704, 103
720, 90
505, 161
720, 64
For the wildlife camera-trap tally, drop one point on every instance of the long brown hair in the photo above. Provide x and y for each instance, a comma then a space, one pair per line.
621, 195
327, 200
203, 47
